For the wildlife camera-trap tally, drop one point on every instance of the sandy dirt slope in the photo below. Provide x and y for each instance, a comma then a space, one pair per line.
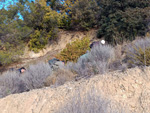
53, 48
130, 88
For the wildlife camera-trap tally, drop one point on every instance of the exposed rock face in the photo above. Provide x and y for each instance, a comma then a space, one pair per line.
131, 88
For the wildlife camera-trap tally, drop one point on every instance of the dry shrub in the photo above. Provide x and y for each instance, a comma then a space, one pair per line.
117, 65
59, 77
138, 53
36, 74
142, 57
96, 62
12, 82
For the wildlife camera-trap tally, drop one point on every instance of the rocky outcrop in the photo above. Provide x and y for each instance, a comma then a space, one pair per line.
130, 88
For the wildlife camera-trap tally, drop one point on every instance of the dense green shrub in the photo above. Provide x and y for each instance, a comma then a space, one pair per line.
5, 58
74, 50
54, 19
9, 54
84, 14
123, 20
37, 41
40, 38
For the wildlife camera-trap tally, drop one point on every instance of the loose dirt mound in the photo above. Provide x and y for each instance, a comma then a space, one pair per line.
130, 89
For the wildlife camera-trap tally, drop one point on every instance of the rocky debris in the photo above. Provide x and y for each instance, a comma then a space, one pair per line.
130, 88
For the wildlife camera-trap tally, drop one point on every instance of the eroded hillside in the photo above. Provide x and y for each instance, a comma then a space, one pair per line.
53, 47
127, 92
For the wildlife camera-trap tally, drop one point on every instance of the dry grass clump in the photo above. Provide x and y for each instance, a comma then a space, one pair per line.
138, 53
59, 77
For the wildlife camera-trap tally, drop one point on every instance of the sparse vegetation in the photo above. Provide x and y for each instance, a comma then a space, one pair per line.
36, 75
99, 60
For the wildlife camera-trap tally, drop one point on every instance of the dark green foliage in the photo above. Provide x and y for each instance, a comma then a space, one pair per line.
123, 20
84, 14
117, 20
12, 32
39, 39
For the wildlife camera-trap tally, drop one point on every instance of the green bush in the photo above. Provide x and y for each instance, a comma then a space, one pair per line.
9, 53
74, 50
84, 14
38, 40
7, 57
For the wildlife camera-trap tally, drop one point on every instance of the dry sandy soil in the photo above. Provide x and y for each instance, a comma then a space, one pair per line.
129, 90
52, 49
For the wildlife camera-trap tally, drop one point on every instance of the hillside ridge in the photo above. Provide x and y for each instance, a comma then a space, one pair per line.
127, 89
